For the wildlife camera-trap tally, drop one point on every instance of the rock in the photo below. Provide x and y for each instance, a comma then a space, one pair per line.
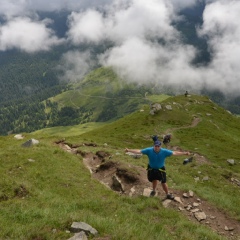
178, 199
166, 202
188, 207
30, 142
231, 161
191, 194
196, 179
31, 160
79, 236
200, 216
168, 107
155, 107
185, 195
147, 191
19, 136
132, 191
195, 204
205, 178
77, 227
195, 210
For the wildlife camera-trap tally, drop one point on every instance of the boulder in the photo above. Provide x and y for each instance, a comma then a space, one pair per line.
30, 142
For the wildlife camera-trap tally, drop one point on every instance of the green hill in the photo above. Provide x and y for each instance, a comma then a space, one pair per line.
44, 188
100, 97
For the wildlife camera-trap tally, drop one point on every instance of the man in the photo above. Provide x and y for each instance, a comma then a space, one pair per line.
156, 165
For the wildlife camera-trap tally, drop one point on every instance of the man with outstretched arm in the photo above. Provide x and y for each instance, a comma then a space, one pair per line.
156, 165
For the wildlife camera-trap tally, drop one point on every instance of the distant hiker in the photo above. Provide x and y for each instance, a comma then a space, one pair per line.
167, 139
156, 165
186, 93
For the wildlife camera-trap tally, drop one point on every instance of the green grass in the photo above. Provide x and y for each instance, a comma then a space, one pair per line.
70, 130
39, 199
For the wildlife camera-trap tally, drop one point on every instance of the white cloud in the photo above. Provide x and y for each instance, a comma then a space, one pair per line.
86, 27
143, 62
221, 27
27, 35
12, 8
141, 20
75, 64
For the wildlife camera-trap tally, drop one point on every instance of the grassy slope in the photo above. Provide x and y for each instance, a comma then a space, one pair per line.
61, 190
101, 90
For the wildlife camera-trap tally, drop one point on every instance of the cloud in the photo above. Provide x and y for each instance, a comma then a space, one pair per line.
27, 35
222, 30
86, 27
74, 65
143, 62
12, 8
145, 45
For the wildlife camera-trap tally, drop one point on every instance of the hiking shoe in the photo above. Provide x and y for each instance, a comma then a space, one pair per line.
170, 196
153, 193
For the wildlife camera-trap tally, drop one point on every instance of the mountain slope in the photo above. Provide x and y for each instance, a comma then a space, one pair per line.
47, 188
102, 96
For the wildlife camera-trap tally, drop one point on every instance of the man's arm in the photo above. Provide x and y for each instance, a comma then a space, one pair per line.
135, 151
178, 153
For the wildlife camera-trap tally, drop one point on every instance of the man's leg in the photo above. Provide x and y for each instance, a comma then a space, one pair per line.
154, 186
165, 187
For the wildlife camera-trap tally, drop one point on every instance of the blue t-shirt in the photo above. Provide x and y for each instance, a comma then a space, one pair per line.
156, 160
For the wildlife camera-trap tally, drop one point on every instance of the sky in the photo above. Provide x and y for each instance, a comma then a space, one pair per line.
134, 27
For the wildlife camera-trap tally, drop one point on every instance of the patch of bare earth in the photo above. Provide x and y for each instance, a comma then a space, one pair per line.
132, 181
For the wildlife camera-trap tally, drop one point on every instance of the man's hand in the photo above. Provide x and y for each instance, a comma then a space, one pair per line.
178, 153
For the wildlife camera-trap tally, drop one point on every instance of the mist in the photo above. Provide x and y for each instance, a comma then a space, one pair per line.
146, 45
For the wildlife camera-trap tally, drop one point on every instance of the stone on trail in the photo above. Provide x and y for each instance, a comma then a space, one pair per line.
147, 191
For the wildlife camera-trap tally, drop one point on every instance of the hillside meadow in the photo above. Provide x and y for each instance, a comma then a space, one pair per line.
44, 188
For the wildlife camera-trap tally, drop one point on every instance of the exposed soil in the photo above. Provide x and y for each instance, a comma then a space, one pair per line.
132, 181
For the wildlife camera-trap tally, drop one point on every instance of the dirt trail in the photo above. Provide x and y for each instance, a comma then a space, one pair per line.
132, 181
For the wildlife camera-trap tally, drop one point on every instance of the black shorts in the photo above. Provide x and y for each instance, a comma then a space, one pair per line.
157, 174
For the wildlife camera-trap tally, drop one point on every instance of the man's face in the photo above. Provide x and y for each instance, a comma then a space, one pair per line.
157, 148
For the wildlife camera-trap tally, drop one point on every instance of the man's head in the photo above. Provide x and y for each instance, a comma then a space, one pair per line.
157, 145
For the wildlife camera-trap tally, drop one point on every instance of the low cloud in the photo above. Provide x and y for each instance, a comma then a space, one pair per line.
74, 65
221, 28
27, 35
145, 45
86, 27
